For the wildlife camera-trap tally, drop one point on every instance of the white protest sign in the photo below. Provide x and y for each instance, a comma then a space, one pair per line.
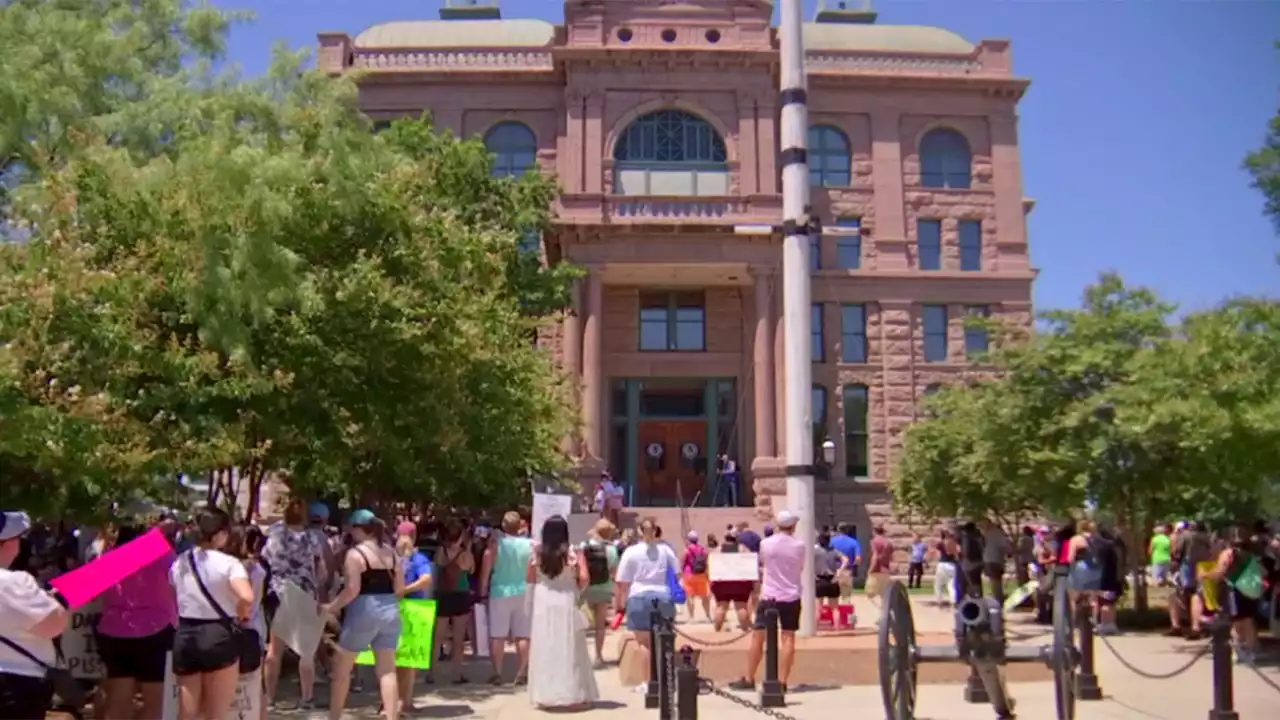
246, 706
480, 633
733, 567
544, 507
80, 646
298, 622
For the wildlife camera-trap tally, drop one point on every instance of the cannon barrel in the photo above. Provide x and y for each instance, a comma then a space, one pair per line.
973, 613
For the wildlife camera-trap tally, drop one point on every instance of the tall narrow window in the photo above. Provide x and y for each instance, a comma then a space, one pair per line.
856, 456
944, 160
815, 333
849, 247
514, 148
672, 322
971, 245
976, 340
815, 253
929, 244
819, 399
853, 333
935, 333
830, 161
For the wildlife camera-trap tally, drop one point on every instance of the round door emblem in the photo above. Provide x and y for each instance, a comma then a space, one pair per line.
689, 451
654, 450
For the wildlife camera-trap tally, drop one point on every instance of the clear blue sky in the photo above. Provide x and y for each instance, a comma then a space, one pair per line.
1133, 131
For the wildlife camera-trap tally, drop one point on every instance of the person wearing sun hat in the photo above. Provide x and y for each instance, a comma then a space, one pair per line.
31, 618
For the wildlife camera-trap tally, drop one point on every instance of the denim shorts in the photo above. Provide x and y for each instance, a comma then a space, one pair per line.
371, 622
639, 607
1084, 578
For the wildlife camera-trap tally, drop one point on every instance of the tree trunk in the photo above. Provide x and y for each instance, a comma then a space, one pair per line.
257, 473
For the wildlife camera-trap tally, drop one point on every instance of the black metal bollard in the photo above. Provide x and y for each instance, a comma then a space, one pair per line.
667, 670
1087, 687
655, 669
1224, 694
975, 691
686, 686
772, 694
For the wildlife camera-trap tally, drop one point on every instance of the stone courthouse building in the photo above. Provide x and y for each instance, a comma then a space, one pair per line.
659, 119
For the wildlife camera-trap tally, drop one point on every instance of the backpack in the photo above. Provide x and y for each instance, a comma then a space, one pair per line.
597, 563
699, 565
1248, 579
972, 548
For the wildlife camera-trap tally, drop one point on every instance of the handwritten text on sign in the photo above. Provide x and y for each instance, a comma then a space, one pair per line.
417, 628
727, 567
80, 646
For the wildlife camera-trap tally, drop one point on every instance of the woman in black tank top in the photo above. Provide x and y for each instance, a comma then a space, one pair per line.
371, 594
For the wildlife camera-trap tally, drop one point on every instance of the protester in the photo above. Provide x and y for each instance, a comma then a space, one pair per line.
374, 583
134, 636
915, 563
504, 581
417, 586
782, 554
826, 563
215, 600
846, 543
560, 667
879, 567
641, 584
601, 557
1236, 561
697, 587
296, 555
454, 565
732, 592
31, 619
944, 574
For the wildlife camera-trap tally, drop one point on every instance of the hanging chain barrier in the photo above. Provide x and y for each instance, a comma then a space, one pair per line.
1196, 657
711, 643
741, 701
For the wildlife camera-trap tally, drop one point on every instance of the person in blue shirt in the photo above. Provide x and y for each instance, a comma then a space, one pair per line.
846, 543
417, 586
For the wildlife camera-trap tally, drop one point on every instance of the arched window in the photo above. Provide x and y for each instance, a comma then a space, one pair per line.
944, 160
857, 425
514, 148
819, 420
830, 160
670, 152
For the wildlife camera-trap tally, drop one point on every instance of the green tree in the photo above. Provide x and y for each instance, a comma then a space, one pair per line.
227, 273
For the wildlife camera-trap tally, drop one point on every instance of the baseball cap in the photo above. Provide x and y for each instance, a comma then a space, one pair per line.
692, 536
361, 518
406, 528
786, 519
14, 525
318, 511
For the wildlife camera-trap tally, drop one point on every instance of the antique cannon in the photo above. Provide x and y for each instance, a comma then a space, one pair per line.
981, 643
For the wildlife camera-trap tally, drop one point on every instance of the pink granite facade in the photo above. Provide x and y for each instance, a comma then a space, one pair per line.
659, 120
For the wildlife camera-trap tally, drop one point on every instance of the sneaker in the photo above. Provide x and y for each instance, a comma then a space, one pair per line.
642, 688
742, 684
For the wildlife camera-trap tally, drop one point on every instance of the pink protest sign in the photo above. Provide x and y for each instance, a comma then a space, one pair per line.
80, 586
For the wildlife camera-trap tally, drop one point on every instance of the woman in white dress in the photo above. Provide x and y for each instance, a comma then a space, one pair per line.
560, 675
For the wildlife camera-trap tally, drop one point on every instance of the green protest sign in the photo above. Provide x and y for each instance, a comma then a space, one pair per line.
417, 628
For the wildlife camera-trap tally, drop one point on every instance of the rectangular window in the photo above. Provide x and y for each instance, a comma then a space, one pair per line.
853, 333
971, 245
673, 322
929, 244
935, 333
849, 247
976, 341
856, 411
819, 410
815, 332
815, 253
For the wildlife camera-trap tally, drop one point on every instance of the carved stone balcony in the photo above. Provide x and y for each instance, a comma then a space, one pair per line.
663, 210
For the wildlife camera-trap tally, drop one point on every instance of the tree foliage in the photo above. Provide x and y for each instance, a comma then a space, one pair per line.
1116, 406
222, 272
1264, 166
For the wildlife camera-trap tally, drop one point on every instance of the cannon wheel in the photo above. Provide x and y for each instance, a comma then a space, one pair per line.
1064, 656
898, 655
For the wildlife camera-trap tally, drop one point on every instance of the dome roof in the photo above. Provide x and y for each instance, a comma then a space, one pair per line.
884, 38
458, 34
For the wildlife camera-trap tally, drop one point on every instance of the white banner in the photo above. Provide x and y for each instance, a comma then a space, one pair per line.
480, 631
247, 705
733, 567
544, 507
80, 647
297, 622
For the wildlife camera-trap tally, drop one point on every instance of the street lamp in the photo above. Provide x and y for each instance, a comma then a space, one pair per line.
828, 462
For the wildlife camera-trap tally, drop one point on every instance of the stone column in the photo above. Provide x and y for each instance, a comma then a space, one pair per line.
592, 372
762, 367
573, 358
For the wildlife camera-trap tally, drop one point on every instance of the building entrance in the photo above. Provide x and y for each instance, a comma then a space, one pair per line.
672, 468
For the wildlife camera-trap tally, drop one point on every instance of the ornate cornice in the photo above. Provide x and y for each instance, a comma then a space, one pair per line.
907, 64
453, 60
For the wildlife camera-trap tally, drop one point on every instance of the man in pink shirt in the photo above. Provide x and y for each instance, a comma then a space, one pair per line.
782, 556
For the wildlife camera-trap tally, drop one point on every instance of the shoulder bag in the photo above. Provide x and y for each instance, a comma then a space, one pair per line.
246, 640
65, 686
